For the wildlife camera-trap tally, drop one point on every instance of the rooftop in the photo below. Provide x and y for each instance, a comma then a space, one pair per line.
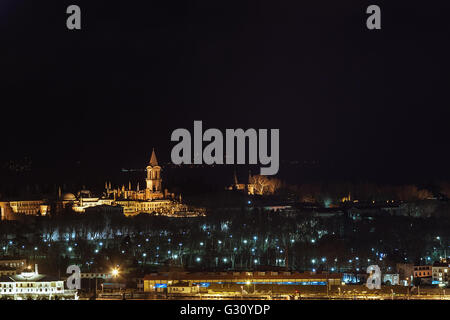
239, 275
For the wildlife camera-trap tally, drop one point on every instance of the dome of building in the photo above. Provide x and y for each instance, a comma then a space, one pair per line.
69, 197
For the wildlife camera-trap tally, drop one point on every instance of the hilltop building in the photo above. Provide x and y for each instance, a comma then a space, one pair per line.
130, 201
248, 188
122, 200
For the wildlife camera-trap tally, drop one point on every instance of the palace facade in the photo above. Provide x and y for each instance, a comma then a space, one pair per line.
151, 199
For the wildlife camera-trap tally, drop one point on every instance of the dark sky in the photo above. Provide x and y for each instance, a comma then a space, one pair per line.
366, 103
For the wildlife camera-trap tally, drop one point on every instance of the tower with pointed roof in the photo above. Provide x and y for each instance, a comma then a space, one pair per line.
235, 178
153, 180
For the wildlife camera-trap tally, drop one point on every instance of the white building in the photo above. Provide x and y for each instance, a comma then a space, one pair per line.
391, 279
440, 273
32, 285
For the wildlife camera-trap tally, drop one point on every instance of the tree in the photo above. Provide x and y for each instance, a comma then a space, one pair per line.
265, 185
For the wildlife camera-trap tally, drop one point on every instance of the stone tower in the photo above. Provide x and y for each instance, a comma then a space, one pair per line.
153, 174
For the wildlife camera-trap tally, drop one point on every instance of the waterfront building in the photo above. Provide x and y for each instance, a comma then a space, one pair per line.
440, 273
32, 285
424, 273
157, 281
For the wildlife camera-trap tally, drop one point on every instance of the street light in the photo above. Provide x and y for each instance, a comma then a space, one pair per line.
115, 272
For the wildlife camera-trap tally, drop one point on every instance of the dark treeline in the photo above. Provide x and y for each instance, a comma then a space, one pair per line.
238, 239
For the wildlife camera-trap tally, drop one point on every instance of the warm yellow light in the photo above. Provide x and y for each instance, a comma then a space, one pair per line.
248, 282
115, 272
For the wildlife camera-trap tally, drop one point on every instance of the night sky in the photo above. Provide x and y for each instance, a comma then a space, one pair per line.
364, 104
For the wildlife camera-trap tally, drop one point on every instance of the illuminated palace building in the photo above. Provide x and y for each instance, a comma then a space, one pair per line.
120, 200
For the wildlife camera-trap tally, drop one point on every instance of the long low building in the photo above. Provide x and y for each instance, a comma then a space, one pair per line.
155, 281
32, 285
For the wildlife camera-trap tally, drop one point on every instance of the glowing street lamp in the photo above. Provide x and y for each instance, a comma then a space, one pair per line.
115, 272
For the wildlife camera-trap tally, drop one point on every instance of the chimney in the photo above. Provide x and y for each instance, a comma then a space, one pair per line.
36, 269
